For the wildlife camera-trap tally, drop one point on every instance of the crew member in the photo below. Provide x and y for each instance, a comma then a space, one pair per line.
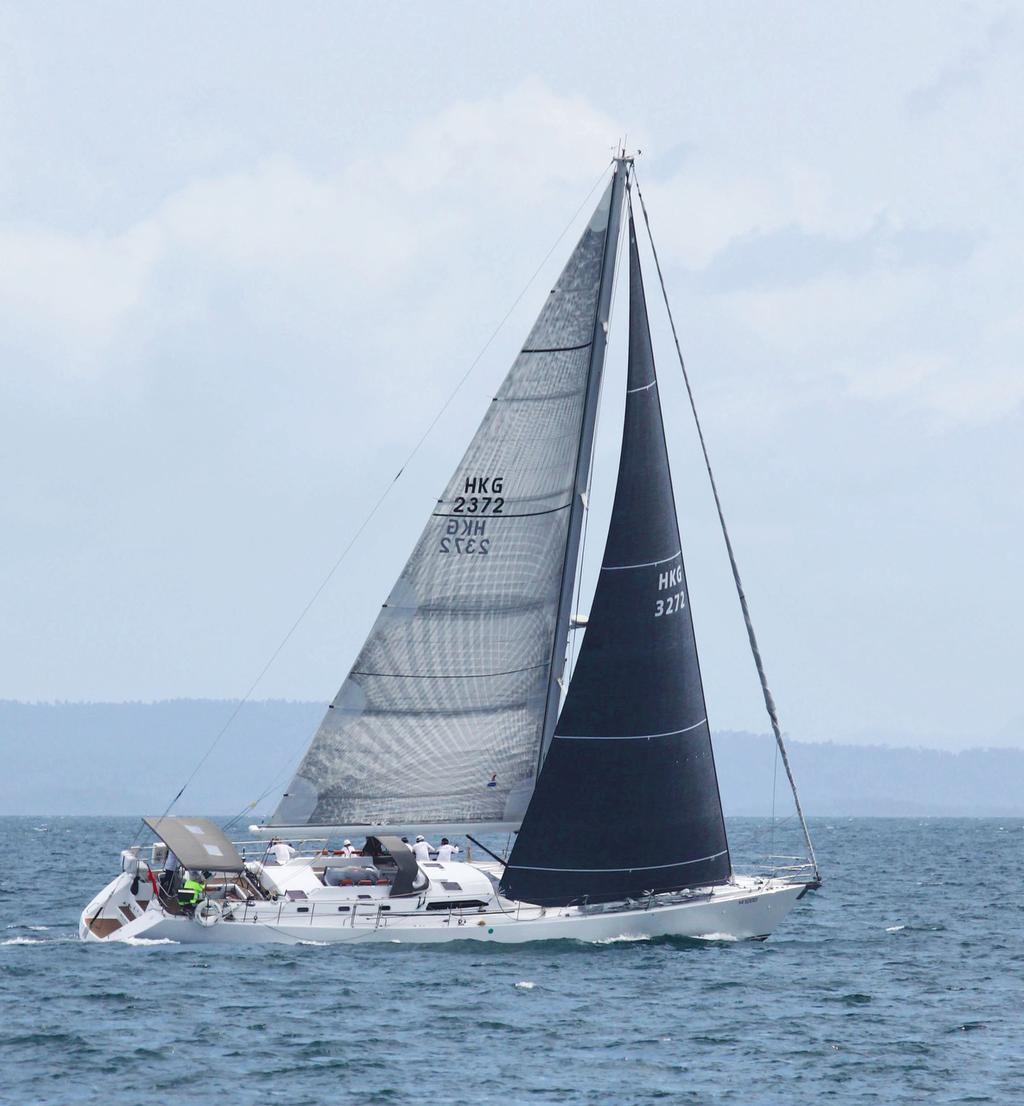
347, 849
446, 850
167, 877
422, 849
189, 894
281, 850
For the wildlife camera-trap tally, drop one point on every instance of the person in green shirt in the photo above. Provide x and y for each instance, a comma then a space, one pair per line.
190, 893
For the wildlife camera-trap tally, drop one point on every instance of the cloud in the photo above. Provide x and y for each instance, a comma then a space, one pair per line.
800, 262
792, 256
822, 288
519, 143
950, 390
892, 338
350, 237
967, 70
82, 285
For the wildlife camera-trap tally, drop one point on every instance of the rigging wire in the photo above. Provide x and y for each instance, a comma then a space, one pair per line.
286, 771
769, 700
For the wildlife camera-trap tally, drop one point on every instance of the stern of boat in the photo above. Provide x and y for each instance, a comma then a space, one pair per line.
125, 908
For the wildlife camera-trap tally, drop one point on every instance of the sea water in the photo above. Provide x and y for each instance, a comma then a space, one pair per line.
902, 980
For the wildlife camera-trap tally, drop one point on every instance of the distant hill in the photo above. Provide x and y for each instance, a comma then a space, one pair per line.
872, 780
129, 758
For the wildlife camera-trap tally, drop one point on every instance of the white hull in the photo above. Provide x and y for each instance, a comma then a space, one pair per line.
746, 909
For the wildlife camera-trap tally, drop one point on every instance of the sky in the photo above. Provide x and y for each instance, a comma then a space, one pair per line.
247, 253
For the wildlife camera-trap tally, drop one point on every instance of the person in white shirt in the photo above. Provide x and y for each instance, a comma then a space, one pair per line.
348, 849
170, 872
446, 850
281, 851
422, 849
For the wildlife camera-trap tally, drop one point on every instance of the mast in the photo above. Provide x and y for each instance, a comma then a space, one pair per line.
581, 484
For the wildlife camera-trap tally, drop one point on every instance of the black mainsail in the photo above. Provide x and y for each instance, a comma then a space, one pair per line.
443, 715
627, 799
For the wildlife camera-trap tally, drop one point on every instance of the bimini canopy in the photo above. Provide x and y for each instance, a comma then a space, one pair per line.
409, 880
197, 843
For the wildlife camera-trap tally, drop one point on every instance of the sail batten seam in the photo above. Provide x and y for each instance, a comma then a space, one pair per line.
449, 676
642, 564
628, 737
525, 514
560, 349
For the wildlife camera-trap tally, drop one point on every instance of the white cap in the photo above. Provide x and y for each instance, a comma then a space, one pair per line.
346, 842
419, 837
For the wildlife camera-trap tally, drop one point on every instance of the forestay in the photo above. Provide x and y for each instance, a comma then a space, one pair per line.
627, 800
440, 719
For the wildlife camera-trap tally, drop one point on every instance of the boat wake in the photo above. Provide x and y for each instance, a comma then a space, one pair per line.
52, 939
622, 938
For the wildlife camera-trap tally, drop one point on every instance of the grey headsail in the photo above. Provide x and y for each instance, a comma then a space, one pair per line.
627, 800
440, 719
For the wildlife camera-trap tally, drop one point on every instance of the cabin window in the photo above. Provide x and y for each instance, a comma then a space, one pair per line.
451, 885
458, 904
342, 909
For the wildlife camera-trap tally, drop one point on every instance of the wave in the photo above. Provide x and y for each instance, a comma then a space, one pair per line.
621, 937
52, 940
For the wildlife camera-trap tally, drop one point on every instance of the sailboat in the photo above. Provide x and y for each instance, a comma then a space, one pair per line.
455, 717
